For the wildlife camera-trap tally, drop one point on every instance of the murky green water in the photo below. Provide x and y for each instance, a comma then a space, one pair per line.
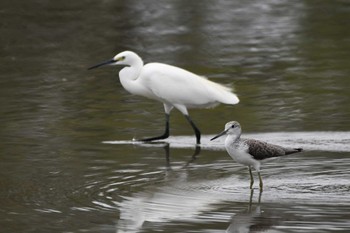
67, 164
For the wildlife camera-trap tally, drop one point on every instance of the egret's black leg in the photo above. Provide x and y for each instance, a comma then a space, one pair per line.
196, 130
167, 155
194, 156
164, 135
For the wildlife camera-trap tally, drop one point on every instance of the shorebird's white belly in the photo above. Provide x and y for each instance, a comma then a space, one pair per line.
240, 155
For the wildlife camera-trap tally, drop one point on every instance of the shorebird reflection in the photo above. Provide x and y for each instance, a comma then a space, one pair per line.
252, 219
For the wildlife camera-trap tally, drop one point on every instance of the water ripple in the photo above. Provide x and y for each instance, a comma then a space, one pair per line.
183, 191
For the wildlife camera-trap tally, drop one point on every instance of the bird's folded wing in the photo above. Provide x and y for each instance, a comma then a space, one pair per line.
262, 150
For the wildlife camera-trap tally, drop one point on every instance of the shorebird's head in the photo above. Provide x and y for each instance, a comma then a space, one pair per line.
231, 128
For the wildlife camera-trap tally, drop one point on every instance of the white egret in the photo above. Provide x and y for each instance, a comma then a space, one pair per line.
173, 86
250, 152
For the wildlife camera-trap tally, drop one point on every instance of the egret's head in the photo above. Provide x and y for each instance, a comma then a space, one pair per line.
126, 58
231, 128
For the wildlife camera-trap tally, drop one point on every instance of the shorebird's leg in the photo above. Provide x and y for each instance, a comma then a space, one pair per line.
261, 182
250, 200
259, 200
251, 177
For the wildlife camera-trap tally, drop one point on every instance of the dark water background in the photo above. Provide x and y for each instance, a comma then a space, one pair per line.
289, 62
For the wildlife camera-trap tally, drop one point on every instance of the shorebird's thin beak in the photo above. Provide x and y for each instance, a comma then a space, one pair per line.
219, 135
109, 62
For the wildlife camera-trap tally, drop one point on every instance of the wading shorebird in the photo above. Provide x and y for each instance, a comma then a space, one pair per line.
251, 152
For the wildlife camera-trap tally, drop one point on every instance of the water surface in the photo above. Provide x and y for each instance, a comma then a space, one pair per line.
67, 164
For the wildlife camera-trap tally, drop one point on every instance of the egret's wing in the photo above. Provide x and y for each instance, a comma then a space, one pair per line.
176, 85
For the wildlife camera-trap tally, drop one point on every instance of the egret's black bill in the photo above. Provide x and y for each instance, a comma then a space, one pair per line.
102, 64
219, 135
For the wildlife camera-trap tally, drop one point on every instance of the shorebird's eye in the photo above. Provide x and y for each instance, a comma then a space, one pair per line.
232, 126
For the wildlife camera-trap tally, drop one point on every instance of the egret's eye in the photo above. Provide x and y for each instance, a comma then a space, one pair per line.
121, 58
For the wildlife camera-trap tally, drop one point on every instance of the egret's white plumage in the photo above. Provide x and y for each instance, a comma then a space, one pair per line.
173, 86
250, 152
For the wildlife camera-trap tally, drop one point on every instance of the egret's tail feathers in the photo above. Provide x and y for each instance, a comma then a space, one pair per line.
227, 97
223, 93
234, 99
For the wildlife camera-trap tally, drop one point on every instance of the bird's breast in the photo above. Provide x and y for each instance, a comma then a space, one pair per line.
239, 153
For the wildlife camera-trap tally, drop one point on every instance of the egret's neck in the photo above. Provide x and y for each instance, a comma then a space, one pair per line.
129, 75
